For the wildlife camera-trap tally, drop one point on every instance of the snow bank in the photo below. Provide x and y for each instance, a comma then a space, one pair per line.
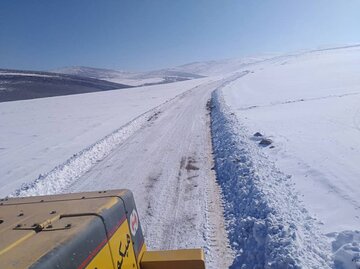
268, 226
66, 174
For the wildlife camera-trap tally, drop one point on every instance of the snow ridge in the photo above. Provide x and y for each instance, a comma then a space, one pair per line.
268, 226
67, 173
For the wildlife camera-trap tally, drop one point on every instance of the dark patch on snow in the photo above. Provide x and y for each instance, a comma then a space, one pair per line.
153, 179
208, 106
191, 165
182, 162
265, 142
154, 116
257, 134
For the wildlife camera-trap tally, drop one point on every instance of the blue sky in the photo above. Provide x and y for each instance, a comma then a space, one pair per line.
150, 34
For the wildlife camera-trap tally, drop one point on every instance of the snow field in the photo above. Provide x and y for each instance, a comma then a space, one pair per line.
308, 105
66, 174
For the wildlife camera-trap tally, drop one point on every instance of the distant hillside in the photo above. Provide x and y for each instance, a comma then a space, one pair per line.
217, 67
178, 73
130, 78
21, 85
97, 73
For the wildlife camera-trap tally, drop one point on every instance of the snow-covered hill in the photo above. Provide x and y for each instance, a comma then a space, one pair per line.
183, 72
129, 78
219, 67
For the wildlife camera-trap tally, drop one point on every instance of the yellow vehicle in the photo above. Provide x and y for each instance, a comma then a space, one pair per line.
92, 230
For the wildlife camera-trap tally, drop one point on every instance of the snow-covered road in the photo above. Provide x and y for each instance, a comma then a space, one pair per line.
167, 164
108, 140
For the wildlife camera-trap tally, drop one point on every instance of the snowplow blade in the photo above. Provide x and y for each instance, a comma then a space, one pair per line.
80, 230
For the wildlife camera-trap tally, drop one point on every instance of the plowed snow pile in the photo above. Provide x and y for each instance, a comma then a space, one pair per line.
292, 189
